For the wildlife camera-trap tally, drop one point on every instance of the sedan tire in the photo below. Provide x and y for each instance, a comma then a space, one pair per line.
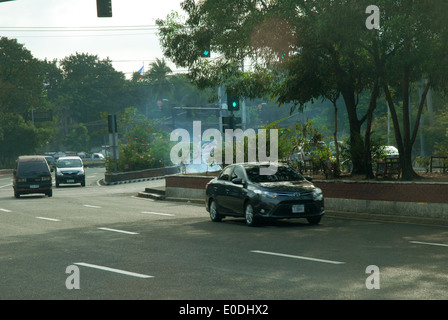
214, 215
249, 214
314, 220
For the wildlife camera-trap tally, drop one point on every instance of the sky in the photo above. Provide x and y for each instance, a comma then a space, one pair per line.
55, 29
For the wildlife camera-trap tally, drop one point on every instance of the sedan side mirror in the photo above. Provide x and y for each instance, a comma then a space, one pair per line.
308, 178
237, 181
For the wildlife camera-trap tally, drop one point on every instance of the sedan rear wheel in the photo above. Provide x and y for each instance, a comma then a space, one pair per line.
214, 215
249, 214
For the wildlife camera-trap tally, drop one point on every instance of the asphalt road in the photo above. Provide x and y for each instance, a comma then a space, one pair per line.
102, 242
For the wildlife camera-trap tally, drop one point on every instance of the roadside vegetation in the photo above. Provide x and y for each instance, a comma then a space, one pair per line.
309, 68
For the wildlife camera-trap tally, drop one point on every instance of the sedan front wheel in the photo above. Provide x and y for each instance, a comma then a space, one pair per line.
214, 215
249, 214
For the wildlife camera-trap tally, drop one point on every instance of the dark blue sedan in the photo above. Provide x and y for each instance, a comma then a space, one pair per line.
240, 190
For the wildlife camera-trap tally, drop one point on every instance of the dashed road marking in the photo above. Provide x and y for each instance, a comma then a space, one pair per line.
430, 243
116, 230
128, 273
91, 206
297, 257
158, 213
49, 219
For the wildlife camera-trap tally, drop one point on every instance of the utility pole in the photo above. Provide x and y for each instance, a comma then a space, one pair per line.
243, 104
113, 138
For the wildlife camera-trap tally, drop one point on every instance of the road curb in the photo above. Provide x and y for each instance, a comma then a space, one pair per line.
131, 181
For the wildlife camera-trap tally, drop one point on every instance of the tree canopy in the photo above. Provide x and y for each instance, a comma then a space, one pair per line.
303, 50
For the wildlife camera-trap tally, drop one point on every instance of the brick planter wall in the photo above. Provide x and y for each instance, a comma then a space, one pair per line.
394, 200
385, 191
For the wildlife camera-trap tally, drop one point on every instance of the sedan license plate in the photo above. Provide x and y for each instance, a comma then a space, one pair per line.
70, 181
34, 186
298, 208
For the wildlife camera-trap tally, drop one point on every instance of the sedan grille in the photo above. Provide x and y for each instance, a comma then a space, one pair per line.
298, 194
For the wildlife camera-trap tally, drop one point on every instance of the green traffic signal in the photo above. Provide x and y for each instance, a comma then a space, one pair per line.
233, 103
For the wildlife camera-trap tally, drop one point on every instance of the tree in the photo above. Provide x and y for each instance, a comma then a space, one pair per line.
282, 39
20, 78
91, 86
414, 35
312, 48
78, 138
21, 92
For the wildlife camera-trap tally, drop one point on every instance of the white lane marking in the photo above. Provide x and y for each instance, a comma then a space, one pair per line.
49, 219
128, 273
297, 257
430, 243
6, 185
5, 210
158, 213
90, 206
116, 230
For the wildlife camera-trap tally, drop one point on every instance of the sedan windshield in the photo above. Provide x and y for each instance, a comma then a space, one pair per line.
70, 163
282, 174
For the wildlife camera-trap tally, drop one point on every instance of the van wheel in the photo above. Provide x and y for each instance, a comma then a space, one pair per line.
16, 195
50, 193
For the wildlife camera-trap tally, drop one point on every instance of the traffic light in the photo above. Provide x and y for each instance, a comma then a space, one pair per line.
104, 8
205, 49
206, 53
112, 123
233, 103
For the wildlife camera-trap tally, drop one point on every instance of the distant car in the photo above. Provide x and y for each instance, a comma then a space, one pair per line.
32, 175
391, 151
51, 161
70, 170
57, 155
239, 190
97, 156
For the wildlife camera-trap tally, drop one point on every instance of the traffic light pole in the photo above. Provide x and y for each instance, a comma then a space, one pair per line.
243, 104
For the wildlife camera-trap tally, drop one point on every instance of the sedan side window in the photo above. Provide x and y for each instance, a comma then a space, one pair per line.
238, 173
225, 174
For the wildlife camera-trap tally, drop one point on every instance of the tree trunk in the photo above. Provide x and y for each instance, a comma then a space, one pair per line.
369, 117
337, 169
404, 145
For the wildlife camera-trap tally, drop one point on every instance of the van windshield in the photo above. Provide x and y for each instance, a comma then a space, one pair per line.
33, 168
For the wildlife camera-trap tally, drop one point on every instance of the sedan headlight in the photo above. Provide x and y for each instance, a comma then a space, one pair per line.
266, 194
317, 194
80, 173
46, 178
